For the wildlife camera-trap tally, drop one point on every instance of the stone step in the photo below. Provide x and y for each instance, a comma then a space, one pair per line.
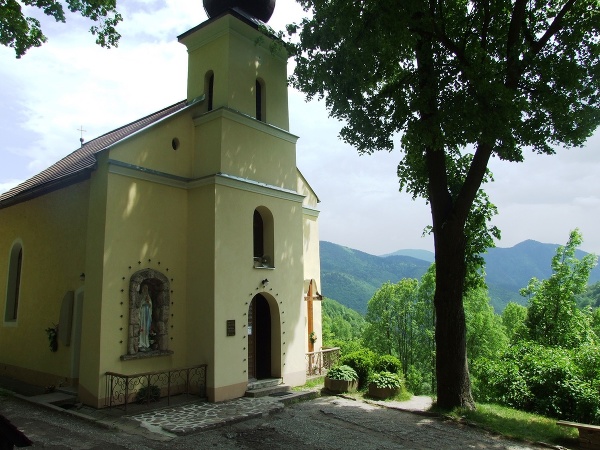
55, 398
261, 384
271, 390
73, 390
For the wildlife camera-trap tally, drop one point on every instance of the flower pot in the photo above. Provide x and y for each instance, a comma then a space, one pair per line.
382, 393
340, 386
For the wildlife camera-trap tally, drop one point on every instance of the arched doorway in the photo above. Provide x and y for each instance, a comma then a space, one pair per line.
259, 339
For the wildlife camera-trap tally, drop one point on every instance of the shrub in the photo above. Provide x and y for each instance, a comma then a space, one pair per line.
386, 380
543, 380
388, 363
362, 362
415, 381
148, 393
342, 372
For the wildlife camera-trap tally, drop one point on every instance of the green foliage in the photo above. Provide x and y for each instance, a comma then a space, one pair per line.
52, 333
485, 333
340, 323
591, 297
416, 382
342, 372
21, 33
552, 315
388, 363
543, 380
148, 394
513, 319
400, 321
362, 362
345, 347
386, 380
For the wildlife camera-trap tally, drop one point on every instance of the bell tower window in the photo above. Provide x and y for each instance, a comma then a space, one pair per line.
260, 100
263, 230
209, 88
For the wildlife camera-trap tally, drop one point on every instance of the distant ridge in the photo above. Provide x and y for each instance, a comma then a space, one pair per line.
425, 255
351, 277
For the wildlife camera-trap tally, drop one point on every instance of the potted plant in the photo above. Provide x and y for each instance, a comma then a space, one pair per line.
384, 385
312, 337
341, 379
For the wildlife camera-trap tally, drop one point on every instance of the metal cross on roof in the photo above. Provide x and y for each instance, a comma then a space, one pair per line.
81, 130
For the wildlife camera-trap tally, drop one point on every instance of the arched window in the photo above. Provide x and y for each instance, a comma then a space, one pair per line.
260, 100
263, 232
14, 283
209, 88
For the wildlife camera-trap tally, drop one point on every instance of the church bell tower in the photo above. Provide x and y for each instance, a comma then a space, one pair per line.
231, 63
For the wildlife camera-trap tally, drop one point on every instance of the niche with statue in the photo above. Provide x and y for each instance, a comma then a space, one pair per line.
149, 300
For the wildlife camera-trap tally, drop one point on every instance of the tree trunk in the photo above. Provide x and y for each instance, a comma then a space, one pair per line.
453, 383
448, 219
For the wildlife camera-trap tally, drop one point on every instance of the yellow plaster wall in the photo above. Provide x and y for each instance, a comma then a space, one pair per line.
201, 274
244, 148
89, 371
146, 226
234, 257
52, 231
153, 148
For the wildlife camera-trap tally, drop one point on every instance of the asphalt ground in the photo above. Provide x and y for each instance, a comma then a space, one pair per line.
327, 422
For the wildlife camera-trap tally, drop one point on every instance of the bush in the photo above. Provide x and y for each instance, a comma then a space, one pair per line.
386, 380
388, 363
148, 393
342, 372
415, 381
362, 362
543, 380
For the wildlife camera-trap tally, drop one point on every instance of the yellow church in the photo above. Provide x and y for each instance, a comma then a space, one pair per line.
178, 252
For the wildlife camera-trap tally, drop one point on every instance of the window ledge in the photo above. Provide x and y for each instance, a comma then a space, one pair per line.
149, 354
264, 267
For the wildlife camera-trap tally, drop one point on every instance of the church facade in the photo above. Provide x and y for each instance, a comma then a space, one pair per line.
186, 238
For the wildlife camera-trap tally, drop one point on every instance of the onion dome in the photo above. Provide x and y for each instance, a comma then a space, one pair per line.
260, 9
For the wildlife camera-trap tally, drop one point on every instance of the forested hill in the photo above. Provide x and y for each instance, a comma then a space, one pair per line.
351, 276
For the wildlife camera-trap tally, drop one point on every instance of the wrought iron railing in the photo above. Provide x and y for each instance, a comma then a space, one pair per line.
151, 386
319, 362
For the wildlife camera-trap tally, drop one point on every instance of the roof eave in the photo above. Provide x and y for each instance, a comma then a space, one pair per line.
46, 188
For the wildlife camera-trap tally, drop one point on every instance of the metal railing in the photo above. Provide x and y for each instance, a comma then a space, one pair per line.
151, 386
319, 362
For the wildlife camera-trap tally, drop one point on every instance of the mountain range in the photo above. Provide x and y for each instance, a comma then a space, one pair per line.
351, 277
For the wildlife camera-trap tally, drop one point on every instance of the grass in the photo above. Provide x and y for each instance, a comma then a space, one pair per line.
311, 383
517, 424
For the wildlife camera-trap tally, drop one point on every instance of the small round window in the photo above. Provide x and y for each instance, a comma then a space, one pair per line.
175, 143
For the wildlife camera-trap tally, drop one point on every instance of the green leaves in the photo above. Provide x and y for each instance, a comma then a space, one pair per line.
22, 33
553, 317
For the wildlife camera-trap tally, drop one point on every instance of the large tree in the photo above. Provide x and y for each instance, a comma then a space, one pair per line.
457, 82
22, 32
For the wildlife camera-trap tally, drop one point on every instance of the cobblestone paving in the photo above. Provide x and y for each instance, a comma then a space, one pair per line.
187, 419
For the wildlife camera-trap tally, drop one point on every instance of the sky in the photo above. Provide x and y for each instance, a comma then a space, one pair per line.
70, 83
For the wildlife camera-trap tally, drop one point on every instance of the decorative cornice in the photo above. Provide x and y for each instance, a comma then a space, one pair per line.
249, 121
155, 176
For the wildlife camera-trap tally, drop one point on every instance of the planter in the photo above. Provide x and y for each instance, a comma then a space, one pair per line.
382, 393
340, 386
